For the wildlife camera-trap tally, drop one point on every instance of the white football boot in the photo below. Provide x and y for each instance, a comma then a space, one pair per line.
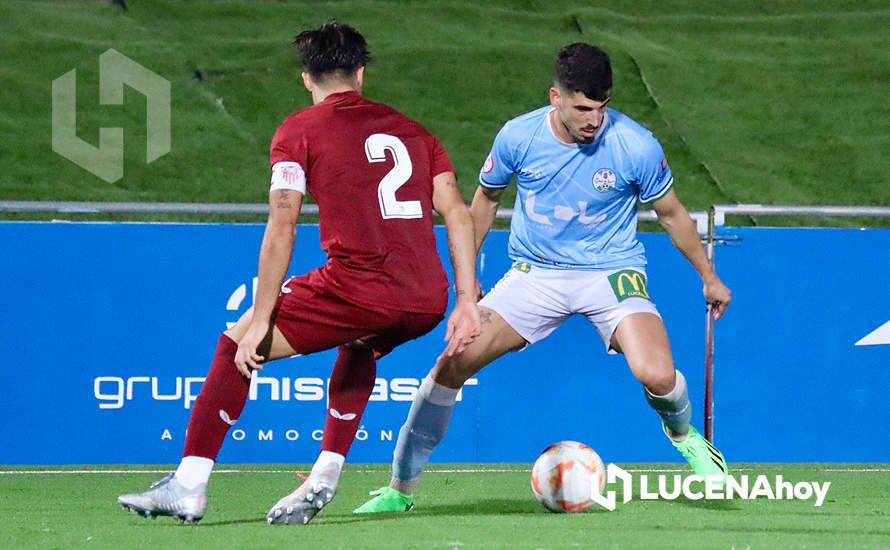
168, 498
299, 507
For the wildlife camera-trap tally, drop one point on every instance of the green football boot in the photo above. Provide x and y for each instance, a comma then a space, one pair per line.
704, 458
386, 499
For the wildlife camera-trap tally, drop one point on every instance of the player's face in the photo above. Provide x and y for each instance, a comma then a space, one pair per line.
577, 117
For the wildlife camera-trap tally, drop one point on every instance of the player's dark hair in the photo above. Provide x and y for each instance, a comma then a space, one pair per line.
584, 68
332, 50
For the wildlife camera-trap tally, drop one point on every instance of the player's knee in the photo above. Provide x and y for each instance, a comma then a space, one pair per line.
659, 378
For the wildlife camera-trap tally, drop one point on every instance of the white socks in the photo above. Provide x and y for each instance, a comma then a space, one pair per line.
325, 458
193, 471
437, 394
674, 407
424, 428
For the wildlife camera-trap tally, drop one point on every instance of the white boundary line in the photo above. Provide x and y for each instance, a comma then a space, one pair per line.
856, 470
365, 471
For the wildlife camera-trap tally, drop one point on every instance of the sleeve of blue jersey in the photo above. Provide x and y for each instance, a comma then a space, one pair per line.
500, 171
669, 182
655, 178
484, 183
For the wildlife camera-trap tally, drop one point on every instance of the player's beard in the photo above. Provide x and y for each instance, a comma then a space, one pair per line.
576, 135
582, 139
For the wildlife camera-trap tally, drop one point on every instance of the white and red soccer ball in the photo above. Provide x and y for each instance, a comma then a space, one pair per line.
567, 475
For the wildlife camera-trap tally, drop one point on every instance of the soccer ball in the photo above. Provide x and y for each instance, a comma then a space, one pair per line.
566, 476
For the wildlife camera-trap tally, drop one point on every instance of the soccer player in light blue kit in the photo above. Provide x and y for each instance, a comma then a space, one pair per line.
580, 169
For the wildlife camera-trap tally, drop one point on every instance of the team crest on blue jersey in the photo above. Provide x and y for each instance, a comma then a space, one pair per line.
604, 180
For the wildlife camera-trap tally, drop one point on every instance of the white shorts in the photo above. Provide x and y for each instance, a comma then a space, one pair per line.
534, 300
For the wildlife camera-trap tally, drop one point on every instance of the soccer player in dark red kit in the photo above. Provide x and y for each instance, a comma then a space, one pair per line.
376, 177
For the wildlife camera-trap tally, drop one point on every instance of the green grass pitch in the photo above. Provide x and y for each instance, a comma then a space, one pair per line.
459, 506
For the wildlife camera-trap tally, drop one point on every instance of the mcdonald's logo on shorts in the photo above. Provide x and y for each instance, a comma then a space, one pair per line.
629, 283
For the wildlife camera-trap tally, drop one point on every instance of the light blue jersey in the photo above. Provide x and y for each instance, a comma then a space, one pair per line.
576, 204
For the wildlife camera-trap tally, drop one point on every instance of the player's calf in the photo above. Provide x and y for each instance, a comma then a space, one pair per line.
424, 428
453, 372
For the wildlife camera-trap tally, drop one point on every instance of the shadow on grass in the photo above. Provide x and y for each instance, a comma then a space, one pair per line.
718, 505
243, 521
487, 507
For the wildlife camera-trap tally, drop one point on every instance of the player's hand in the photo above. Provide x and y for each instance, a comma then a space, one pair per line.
464, 326
247, 359
717, 295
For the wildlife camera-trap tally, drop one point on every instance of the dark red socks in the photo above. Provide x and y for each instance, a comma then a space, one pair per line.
219, 403
352, 382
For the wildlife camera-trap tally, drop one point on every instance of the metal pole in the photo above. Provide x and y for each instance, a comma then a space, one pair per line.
793, 210
709, 341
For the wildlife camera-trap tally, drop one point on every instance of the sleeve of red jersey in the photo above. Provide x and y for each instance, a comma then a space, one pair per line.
440, 162
288, 159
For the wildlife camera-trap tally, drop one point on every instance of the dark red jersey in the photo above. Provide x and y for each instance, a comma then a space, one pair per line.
370, 169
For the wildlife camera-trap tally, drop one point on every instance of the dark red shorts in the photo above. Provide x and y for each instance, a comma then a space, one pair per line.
312, 319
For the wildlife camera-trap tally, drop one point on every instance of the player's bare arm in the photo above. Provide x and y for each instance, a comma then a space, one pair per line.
463, 324
483, 210
275, 254
674, 218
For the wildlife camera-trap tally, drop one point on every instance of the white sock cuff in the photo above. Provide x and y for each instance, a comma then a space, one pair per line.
674, 394
436, 393
193, 471
325, 458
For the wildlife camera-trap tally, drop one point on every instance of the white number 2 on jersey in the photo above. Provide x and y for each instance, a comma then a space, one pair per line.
375, 148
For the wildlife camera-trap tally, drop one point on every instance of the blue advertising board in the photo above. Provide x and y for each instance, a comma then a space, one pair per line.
110, 328
791, 383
